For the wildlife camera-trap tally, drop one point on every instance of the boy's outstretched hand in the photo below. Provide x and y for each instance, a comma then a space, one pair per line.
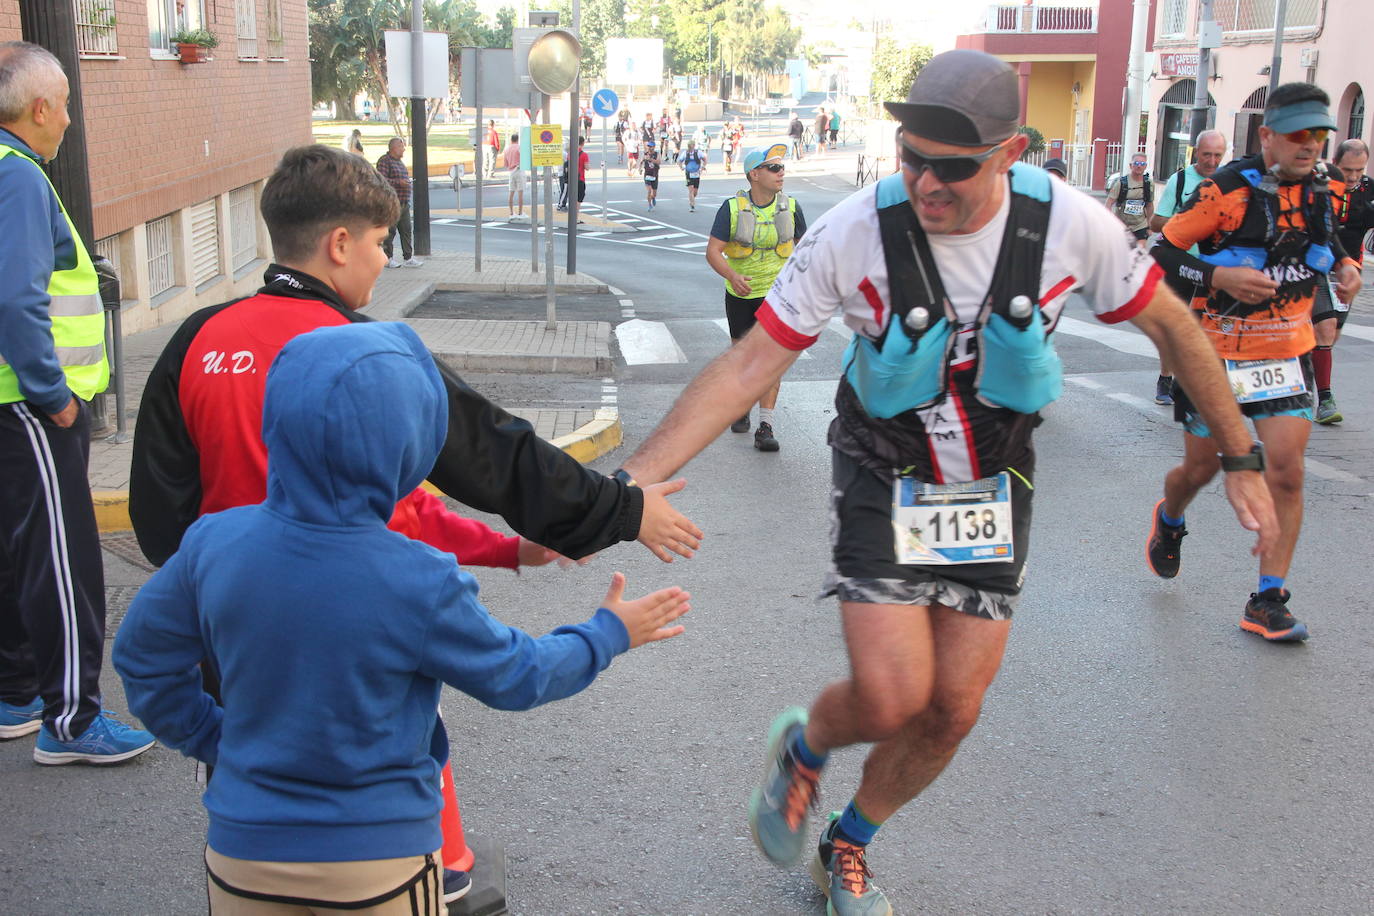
662, 528
647, 618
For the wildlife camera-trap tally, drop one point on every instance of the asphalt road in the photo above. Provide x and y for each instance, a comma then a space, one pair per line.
1137, 754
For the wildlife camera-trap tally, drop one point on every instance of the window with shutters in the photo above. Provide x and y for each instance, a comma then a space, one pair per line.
95, 27
246, 21
204, 220
161, 272
1258, 15
276, 33
243, 226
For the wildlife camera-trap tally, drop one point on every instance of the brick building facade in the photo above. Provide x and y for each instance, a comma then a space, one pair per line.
179, 152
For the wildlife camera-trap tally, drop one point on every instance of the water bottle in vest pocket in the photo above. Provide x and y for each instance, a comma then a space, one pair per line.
1017, 367
1238, 256
898, 376
1320, 258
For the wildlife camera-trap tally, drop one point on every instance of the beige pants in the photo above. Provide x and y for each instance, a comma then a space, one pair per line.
412, 886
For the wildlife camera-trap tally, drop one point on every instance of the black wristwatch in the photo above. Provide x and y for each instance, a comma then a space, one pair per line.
624, 477
1252, 460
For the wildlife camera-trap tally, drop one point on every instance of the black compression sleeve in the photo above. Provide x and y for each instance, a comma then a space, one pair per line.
1182, 268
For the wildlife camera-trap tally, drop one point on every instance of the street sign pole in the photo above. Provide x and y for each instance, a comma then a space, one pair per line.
607, 104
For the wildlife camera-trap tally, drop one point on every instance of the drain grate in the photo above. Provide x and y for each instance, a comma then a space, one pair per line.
117, 601
125, 546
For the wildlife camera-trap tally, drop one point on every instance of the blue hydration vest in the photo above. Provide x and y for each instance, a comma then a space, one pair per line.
908, 368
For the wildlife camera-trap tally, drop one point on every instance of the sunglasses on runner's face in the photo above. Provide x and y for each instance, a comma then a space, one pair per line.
1138, 164
947, 169
1308, 135
773, 167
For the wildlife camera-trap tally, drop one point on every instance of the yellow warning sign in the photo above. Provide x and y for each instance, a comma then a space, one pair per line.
546, 145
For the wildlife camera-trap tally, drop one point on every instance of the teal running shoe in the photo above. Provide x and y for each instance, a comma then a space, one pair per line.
842, 874
781, 806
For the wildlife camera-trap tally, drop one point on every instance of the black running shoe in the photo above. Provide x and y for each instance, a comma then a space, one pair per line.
1266, 614
1162, 552
741, 425
763, 438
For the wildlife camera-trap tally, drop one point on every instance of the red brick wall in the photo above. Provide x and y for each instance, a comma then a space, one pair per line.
148, 121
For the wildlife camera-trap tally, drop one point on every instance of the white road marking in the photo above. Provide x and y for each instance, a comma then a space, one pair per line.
1082, 382
648, 342
591, 235
1358, 330
1327, 472
724, 325
692, 245
616, 292
1135, 401
627, 303
660, 238
1121, 341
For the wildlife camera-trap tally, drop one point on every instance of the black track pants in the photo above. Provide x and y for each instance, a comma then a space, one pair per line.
52, 583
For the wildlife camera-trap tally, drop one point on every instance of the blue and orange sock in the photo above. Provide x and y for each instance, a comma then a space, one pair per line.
1268, 582
856, 828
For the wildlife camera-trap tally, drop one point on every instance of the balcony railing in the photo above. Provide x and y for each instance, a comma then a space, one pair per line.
1258, 15
1058, 16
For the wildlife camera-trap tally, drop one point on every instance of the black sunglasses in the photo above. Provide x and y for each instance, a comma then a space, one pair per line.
947, 169
773, 167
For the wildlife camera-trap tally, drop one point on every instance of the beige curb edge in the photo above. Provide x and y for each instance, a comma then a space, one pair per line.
586, 444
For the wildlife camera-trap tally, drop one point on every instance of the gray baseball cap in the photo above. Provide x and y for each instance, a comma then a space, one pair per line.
963, 97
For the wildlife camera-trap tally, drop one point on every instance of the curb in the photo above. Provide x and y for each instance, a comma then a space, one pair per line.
586, 444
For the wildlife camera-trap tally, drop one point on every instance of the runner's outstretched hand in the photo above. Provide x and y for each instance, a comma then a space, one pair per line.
1249, 496
662, 528
646, 619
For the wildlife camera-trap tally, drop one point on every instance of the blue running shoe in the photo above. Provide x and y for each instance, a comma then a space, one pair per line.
18, 721
456, 884
107, 740
841, 872
781, 805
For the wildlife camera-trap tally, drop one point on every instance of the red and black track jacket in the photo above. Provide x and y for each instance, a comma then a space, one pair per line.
201, 415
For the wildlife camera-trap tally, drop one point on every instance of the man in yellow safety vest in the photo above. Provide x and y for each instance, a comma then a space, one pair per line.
52, 362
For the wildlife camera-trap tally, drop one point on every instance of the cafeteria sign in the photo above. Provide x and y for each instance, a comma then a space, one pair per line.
546, 145
1174, 64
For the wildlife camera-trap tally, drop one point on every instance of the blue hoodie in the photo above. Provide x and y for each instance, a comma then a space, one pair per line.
332, 634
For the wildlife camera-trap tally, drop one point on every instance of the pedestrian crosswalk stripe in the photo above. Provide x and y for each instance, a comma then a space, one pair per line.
692, 245
660, 238
648, 342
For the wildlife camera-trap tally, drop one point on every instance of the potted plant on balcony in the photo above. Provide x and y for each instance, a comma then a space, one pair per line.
194, 45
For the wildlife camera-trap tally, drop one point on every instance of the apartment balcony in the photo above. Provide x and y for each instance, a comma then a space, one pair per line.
1056, 18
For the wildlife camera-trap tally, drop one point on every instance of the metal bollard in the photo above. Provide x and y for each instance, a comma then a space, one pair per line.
114, 343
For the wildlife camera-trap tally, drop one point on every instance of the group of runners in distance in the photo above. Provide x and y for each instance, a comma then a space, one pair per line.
253, 489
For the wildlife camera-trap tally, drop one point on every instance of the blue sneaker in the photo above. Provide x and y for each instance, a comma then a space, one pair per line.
841, 872
456, 884
106, 741
18, 721
781, 805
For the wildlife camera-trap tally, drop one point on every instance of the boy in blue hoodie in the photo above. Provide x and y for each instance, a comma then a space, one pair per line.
332, 636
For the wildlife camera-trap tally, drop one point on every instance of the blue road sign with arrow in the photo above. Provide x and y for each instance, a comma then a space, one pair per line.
605, 102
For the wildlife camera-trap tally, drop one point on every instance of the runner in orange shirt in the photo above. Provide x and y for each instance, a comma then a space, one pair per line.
1265, 229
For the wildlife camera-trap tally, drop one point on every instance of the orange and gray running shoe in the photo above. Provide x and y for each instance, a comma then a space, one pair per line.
841, 872
1266, 614
781, 805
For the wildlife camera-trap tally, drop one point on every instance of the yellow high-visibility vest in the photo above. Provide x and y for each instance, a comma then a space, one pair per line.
78, 319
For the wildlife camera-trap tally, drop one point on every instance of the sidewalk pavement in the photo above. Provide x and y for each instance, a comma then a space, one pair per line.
489, 346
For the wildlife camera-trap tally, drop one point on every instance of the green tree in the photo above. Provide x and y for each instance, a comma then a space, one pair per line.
895, 65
